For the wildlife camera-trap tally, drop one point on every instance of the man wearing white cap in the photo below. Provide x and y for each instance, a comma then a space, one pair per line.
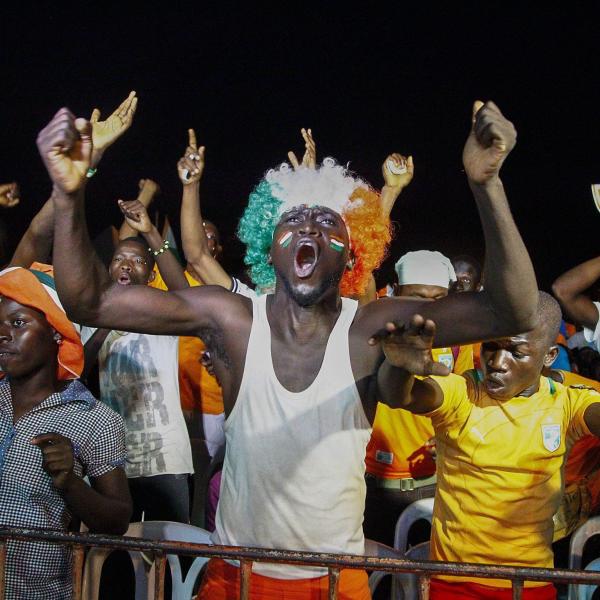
400, 461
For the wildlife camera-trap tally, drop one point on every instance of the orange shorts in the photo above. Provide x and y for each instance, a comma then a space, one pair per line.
222, 582
463, 590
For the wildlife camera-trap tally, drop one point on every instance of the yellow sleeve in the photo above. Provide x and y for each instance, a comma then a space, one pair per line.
579, 399
464, 360
455, 406
158, 281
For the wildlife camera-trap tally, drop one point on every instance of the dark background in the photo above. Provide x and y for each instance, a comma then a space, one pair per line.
371, 80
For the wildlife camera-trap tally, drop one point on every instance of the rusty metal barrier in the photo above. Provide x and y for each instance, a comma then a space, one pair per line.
424, 569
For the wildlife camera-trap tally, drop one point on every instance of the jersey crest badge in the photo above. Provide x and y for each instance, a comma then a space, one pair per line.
447, 360
551, 437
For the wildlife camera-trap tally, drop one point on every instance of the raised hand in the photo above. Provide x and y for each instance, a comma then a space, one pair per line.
309, 160
398, 170
490, 140
136, 215
9, 195
408, 347
191, 165
105, 133
57, 457
65, 145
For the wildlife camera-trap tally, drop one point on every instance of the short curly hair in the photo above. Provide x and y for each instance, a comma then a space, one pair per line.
330, 185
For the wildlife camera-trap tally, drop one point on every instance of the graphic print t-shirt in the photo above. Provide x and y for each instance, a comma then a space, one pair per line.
138, 379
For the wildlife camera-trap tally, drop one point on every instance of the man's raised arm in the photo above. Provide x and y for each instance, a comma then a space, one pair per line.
82, 281
193, 235
508, 304
570, 289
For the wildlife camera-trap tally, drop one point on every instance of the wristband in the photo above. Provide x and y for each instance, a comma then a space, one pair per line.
165, 246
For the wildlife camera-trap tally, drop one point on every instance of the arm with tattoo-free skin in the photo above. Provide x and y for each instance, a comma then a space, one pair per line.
508, 304
193, 235
136, 217
570, 289
36, 243
91, 349
105, 506
407, 351
398, 171
220, 318
83, 283
148, 190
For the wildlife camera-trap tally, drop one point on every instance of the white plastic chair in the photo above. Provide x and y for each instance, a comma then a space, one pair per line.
582, 534
420, 509
404, 585
373, 548
144, 574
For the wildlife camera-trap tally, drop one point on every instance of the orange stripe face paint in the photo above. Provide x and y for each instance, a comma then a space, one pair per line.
285, 239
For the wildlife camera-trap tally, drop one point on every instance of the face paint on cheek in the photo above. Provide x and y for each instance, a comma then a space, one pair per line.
285, 239
336, 244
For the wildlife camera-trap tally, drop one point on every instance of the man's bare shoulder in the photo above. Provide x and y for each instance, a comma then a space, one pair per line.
227, 305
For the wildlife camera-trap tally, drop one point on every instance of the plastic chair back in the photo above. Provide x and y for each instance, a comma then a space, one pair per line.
579, 538
420, 509
144, 572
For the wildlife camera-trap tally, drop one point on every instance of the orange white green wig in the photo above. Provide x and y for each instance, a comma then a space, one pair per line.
331, 186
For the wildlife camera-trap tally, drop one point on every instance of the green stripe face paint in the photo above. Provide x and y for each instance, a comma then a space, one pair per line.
336, 244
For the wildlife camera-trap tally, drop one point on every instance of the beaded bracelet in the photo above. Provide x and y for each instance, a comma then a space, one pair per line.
165, 246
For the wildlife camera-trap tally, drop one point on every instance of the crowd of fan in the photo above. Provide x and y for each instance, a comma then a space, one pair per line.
312, 407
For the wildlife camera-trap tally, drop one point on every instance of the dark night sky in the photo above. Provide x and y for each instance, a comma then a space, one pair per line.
368, 82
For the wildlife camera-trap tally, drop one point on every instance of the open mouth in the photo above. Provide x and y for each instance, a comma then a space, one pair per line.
124, 279
306, 258
492, 382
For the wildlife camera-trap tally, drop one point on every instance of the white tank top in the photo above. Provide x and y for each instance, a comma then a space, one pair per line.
293, 476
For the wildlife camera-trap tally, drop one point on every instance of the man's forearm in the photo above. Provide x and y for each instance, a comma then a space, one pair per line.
36, 243
195, 242
394, 385
91, 349
570, 289
101, 514
509, 276
193, 235
145, 196
388, 198
170, 269
80, 276
577, 280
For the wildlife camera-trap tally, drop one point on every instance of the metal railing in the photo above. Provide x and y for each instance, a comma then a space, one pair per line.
423, 569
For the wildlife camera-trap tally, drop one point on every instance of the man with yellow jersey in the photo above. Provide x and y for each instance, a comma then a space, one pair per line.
502, 438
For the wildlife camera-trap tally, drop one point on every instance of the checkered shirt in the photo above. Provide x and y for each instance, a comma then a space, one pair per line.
27, 496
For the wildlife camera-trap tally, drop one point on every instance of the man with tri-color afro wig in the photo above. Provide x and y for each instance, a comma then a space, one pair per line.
298, 366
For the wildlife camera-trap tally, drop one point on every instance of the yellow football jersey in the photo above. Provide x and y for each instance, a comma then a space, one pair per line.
500, 471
